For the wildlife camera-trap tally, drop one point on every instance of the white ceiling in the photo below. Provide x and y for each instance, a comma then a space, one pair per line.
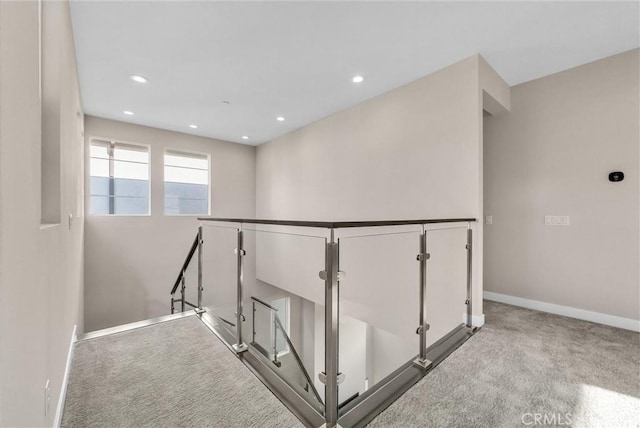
296, 59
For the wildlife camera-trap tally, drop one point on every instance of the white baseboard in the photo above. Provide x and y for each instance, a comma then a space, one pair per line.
567, 311
476, 320
65, 380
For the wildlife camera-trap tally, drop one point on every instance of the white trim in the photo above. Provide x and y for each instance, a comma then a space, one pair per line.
65, 380
134, 325
567, 311
476, 320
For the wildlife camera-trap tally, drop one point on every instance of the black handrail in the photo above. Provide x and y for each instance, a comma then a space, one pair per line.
297, 358
192, 251
337, 224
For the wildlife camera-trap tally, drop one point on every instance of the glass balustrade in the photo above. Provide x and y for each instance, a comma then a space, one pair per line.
337, 318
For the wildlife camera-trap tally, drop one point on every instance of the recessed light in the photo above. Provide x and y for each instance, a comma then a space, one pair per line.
244, 137
226, 102
280, 119
193, 126
128, 113
138, 78
357, 79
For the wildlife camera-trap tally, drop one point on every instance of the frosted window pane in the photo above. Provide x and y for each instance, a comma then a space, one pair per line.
186, 184
99, 167
136, 171
183, 175
99, 152
186, 161
126, 191
131, 155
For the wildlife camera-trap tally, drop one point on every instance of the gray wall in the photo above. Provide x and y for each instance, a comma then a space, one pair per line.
551, 156
40, 264
132, 261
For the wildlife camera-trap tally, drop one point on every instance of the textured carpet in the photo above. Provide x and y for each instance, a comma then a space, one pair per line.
173, 374
528, 368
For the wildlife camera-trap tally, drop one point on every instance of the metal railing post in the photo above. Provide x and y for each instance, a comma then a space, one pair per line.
331, 330
275, 339
239, 346
200, 289
422, 258
469, 301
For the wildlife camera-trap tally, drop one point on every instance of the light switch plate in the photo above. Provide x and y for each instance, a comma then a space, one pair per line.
488, 219
557, 220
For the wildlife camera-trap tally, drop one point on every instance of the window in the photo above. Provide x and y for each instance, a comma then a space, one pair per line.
186, 183
119, 182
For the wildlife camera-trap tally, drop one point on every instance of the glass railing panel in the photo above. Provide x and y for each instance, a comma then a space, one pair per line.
446, 280
379, 305
283, 302
219, 275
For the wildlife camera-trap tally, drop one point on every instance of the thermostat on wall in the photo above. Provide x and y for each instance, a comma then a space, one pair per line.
616, 176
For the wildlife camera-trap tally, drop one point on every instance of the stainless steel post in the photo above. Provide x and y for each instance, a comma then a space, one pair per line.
331, 332
423, 256
275, 340
469, 301
423, 296
240, 346
200, 242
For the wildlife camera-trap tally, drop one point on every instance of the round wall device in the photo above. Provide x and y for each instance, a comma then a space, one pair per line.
616, 176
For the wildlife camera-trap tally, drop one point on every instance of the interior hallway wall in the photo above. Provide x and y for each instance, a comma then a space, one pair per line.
414, 152
41, 282
551, 156
132, 261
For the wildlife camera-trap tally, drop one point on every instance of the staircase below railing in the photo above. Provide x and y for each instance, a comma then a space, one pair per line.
273, 351
181, 280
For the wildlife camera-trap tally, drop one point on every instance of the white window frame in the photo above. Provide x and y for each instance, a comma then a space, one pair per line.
88, 168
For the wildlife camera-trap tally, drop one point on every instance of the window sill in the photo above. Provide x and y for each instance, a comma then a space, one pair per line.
44, 226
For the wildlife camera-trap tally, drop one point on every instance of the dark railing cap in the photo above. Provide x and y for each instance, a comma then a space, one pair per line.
336, 224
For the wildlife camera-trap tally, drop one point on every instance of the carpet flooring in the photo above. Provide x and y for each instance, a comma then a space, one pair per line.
529, 368
173, 374
523, 368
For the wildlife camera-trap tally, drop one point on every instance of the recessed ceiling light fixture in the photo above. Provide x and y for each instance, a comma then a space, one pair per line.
128, 112
280, 119
138, 78
193, 126
245, 137
225, 102
357, 79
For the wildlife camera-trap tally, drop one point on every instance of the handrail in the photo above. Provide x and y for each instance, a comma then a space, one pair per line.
291, 347
192, 251
298, 360
268, 306
337, 224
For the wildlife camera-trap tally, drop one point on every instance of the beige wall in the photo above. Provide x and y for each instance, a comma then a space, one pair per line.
132, 261
414, 152
40, 266
551, 156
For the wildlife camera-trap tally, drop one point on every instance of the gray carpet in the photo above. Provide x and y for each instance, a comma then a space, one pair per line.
523, 364
173, 374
